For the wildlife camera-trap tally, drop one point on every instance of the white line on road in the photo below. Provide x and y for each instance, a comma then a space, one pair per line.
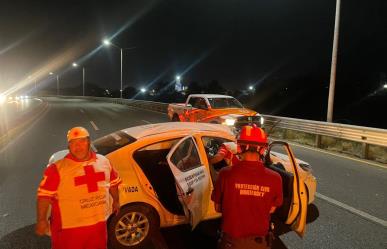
94, 126
146, 121
352, 210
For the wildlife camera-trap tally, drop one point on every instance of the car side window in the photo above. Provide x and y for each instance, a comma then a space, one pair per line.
186, 156
192, 101
199, 103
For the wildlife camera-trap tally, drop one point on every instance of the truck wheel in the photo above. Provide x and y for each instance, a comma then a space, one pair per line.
175, 118
133, 227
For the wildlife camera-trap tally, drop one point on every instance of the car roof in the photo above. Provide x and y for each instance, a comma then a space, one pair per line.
210, 96
141, 131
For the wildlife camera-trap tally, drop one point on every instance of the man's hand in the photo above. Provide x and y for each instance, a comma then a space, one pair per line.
115, 207
42, 228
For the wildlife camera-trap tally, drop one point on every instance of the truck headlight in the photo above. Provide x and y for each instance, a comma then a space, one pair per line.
229, 122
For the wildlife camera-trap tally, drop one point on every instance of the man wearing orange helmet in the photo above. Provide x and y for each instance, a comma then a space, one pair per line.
77, 187
246, 194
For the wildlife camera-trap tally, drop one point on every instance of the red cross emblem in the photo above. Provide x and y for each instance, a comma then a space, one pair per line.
91, 178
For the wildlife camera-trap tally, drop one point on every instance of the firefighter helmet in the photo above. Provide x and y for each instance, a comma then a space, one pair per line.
252, 135
77, 132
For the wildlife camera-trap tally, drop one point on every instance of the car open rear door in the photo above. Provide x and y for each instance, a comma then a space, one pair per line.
298, 209
191, 177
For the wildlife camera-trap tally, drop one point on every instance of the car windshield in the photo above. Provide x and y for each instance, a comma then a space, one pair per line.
219, 103
112, 142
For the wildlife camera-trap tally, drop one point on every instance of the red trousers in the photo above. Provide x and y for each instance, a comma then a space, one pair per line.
89, 237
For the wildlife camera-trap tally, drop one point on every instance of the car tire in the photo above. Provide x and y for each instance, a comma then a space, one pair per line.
175, 118
141, 221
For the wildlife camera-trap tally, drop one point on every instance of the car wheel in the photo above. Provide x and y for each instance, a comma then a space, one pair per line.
175, 118
133, 227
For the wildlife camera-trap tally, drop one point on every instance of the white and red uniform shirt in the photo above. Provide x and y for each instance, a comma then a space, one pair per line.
79, 191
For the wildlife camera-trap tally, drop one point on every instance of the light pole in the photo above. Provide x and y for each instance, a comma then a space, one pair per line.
83, 77
107, 42
57, 82
332, 83
178, 86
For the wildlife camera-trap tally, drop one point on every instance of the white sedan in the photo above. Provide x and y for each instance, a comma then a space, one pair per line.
167, 178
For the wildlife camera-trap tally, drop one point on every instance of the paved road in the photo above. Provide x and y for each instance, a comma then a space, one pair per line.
349, 183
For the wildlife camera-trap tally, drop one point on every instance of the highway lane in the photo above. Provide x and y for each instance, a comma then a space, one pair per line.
12, 110
22, 163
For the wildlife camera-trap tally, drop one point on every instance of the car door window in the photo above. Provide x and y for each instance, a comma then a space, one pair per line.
186, 156
198, 103
192, 101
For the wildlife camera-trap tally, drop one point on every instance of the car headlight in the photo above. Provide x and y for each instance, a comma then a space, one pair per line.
262, 121
229, 122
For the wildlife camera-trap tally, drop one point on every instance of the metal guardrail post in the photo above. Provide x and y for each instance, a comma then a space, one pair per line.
365, 149
318, 141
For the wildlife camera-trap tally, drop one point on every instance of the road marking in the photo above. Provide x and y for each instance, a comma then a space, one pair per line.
81, 110
352, 210
94, 126
146, 122
342, 156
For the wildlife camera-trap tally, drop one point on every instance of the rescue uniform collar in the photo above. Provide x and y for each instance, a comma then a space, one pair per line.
254, 164
93, 156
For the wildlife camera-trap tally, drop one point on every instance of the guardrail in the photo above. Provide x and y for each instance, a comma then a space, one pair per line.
363, 142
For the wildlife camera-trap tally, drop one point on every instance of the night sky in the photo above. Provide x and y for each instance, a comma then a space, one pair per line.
276, 45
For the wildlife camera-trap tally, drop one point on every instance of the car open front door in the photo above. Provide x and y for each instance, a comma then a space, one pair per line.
296, 216
191, 177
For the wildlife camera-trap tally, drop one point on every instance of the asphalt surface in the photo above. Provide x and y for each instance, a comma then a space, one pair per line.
360, 185
11, 110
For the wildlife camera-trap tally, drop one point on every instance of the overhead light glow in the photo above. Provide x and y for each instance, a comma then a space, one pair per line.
2, 98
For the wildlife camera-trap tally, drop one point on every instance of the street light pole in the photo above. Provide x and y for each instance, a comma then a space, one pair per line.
332, 83
107, 43
121, 75
83, 81
57, 84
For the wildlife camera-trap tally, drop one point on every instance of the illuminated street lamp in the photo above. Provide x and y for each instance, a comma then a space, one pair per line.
57, 82
178, 85
106, 42
143, 90
251, 88
385, 86
83, 77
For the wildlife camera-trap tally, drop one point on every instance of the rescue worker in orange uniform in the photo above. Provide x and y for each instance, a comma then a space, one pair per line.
78, 188
247, 194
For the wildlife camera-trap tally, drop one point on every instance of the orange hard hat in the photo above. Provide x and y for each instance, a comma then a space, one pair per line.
77, 132
252, 135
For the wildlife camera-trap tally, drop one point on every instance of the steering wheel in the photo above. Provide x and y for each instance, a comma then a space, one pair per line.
212, 148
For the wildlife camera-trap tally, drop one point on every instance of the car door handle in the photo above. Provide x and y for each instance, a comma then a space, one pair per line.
189, 191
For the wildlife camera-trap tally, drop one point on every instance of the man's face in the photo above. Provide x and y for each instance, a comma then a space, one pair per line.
80, 148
